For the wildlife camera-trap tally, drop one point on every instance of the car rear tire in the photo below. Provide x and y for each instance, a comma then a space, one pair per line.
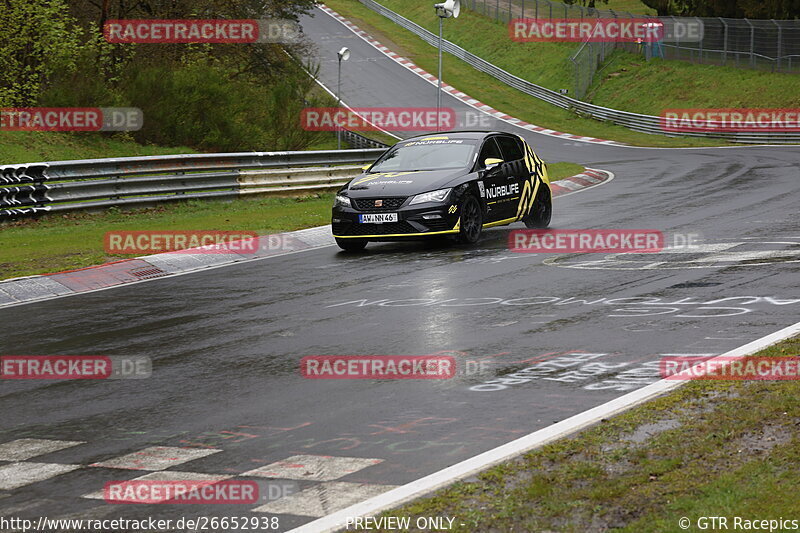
471, 221
542, 211
351, 245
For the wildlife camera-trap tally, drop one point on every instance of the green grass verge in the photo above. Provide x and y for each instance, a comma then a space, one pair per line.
75, 240
557, 171
627, 82
711, 448
34, 146
62, 242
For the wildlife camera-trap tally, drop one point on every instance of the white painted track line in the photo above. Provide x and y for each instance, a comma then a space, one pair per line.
416, 489
24, 449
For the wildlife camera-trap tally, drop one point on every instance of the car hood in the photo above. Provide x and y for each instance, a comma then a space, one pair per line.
401, 183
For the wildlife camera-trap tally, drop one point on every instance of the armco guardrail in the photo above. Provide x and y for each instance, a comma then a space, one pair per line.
36, 188
634, 121
357, 140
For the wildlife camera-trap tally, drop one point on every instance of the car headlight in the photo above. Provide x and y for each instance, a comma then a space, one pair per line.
433, 196
341, 201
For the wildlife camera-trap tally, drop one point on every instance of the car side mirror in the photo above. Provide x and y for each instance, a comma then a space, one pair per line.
365, 167
493, 166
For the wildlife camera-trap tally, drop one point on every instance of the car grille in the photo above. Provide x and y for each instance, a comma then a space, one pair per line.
368, 204
374, 229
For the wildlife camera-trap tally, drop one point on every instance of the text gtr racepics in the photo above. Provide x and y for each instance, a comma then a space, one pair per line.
454, 183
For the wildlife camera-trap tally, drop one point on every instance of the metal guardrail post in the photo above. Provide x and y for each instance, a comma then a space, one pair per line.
701, 47
724, 41
780, 41
575, 86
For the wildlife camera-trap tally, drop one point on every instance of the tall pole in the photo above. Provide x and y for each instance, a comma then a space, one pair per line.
439, 89
338, 100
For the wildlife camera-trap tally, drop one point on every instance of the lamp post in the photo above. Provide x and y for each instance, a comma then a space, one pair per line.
344, 55
450, 8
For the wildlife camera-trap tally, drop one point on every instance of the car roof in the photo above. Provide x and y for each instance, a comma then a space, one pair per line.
462, 134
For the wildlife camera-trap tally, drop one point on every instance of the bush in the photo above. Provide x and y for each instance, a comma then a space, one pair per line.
37, 40
209, 97
198, 105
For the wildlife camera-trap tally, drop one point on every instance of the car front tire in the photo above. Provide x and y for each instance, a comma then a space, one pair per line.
471, 221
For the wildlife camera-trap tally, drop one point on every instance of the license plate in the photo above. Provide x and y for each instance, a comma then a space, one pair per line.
377, 218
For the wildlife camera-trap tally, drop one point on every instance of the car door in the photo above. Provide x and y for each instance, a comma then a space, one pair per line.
493, 188
514, 175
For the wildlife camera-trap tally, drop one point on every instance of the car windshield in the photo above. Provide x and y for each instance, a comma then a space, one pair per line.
430, 154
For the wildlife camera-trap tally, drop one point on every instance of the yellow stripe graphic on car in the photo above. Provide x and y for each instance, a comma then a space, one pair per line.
499, 222
533, 196
396, 234
528, 198
523, 199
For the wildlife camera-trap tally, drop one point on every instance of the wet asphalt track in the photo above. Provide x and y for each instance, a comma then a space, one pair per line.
226, 343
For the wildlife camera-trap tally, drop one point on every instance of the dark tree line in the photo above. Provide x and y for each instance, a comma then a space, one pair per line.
754, 9
223, 97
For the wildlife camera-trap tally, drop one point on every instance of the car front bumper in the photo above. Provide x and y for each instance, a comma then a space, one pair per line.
413, 222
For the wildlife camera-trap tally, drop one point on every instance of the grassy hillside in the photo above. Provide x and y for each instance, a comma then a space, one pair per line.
488, 89
627, 81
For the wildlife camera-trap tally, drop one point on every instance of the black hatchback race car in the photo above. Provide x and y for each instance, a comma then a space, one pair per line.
454, 183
